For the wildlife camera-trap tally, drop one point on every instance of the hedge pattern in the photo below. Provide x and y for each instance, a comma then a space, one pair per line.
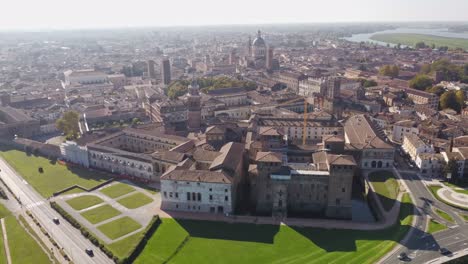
145, 236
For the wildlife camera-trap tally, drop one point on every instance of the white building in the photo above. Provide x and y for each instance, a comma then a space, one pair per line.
430, 164
413, 146
196, 190
403, 128
311, 86
75, 153
84, 77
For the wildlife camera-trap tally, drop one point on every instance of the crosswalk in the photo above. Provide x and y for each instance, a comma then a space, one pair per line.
32, 205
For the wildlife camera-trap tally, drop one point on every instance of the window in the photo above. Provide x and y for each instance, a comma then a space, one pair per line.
176, 206
199, 196
226, 198
188, 196
194, 196
211, 189
343, 190
170, 194
225, 190
211, 197
338, 201
165, 194
176, 195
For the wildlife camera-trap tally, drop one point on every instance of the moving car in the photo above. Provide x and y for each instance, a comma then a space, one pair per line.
403, 256
56, 220
444, 251
89, 252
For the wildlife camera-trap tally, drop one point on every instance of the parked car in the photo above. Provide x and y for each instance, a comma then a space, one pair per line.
56, 220
89, 252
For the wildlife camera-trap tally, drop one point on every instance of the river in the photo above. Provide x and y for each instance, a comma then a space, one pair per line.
441, 32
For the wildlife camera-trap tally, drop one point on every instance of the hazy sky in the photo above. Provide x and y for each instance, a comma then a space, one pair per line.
58, 14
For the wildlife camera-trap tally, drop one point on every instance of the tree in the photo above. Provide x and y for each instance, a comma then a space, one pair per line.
451, 168
367, 83
421, 82
420, 45
389, 70
460, 98
449, 100
439, 90
68, 124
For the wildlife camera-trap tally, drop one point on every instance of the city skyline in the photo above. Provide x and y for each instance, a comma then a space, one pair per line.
51, 14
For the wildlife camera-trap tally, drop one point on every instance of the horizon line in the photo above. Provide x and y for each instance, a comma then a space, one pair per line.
122, 27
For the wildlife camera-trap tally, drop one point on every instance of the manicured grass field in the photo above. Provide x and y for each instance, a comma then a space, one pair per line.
435, 226
100, 213
85, 201
123, 248
444, 215
23, 248
55, 176
190, 241
411, 39
117, 190
386, 186
4, 212
135, 200
119, 227
434, 190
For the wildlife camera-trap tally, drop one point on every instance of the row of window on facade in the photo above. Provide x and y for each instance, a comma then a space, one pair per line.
192, 196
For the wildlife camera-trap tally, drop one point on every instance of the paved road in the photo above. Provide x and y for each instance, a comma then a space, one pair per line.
422, 247
64, 234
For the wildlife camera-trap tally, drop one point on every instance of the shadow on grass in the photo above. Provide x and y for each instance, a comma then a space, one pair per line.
88, 174
227, 231
330, 240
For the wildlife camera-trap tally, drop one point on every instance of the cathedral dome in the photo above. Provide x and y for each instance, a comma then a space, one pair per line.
259, 41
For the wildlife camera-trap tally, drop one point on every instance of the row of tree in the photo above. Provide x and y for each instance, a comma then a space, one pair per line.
445, 71
179, 87
390, 71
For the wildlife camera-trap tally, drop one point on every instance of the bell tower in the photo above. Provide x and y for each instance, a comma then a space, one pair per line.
194, 107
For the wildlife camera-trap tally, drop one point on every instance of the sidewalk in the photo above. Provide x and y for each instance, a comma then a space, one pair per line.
5, 241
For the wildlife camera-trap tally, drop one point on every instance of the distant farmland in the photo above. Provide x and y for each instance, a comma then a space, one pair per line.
410, 39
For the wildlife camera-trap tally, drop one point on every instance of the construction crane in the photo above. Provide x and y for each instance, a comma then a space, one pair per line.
304, 128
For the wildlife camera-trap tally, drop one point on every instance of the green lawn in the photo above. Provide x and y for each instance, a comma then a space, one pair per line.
191, 241
411, 39
386, 187
119, 227
4, 212
444, 215
123, 248
23, 248
85, 201
100, 213
55, 176
117, 190
135, 200
435, 226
